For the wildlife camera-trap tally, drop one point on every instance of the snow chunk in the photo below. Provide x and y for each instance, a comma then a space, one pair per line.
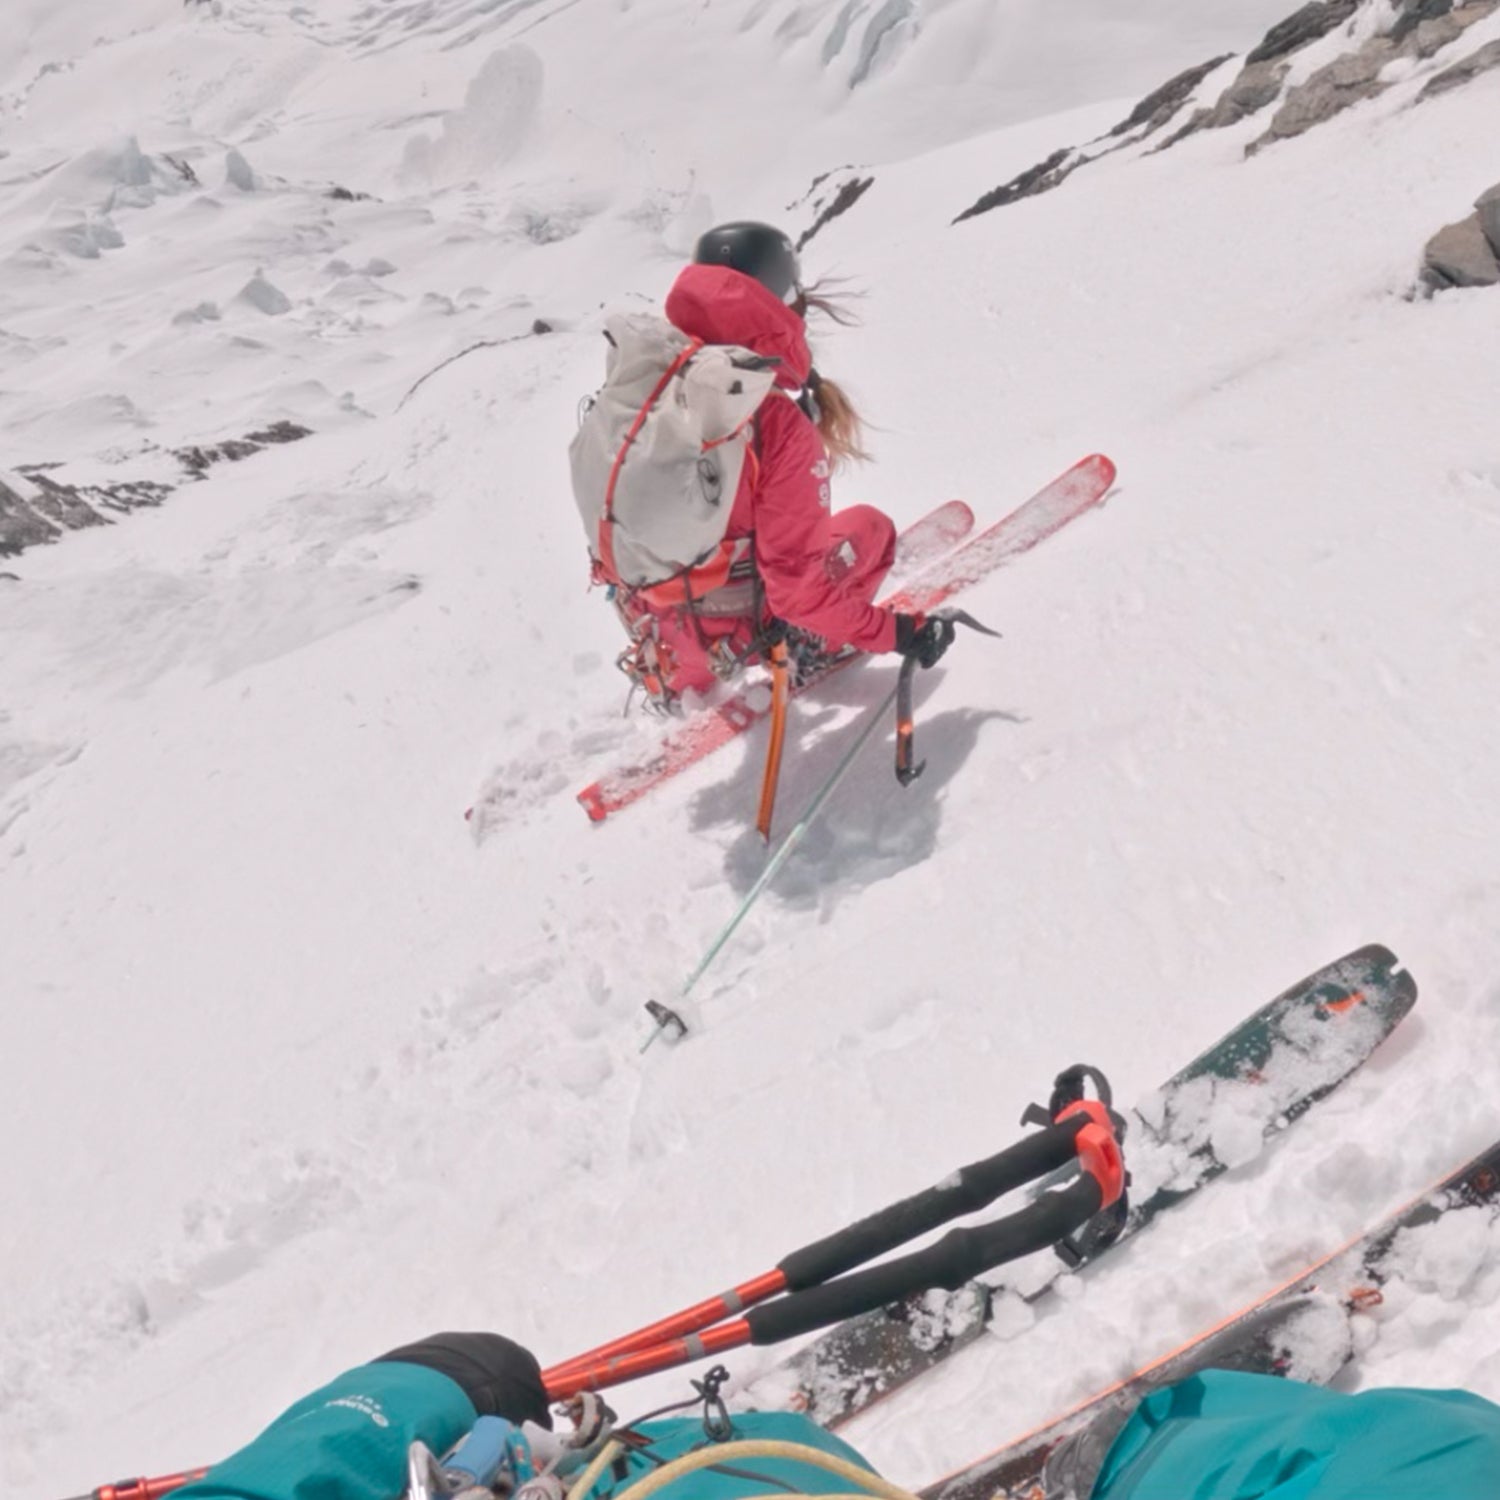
238, 173
264, 297
204, 312
84, 235
1447, 1255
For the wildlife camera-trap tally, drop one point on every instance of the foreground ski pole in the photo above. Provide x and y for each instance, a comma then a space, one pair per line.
1077, 1131
664, 1016
143, 1489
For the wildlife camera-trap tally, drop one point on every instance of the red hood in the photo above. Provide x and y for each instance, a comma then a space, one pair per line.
721, 306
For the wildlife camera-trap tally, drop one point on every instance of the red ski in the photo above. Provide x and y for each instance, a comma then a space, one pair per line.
924, 541
1050, 509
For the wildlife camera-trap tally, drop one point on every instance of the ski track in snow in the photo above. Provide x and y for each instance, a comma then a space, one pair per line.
295, 1067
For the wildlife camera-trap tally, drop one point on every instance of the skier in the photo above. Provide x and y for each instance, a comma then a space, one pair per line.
784, 557
1214, 1436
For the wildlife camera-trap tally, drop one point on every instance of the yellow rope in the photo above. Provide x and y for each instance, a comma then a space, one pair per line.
602, 1460
724, 1453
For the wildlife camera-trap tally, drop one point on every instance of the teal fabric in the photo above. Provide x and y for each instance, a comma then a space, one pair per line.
347, 1441
675, 1436
1222, 1436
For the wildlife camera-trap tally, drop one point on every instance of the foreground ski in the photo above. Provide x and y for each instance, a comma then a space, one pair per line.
1081, 488
1216, 1111
1300, 1330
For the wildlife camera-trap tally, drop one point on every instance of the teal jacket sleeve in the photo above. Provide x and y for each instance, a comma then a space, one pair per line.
1223, 1436
347, 1441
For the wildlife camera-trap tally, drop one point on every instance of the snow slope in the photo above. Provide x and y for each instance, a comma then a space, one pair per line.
292, 1069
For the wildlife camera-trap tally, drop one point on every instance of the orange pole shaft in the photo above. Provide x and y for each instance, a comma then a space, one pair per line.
778, 736
689, 1320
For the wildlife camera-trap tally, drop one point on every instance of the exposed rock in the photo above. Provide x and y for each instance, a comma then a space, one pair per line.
22, 522
847, 196
1038, 179
1304, 26
36, 507
182, 169
1258, 85
1460, 255
1488, 207
198, 460
1161, 104
1333, 88
1431, 37
1414, 12
1487, 57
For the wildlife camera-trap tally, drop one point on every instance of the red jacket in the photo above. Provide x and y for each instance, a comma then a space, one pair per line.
785, 503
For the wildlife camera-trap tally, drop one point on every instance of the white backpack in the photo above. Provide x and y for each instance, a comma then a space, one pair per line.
657, 459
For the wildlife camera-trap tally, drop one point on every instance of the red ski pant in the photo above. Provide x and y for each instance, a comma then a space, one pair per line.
862, 547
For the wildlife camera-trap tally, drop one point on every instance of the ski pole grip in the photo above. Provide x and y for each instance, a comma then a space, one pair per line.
958, 1257
964, 1192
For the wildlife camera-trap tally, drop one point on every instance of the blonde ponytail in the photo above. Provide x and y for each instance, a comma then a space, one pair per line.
839, 423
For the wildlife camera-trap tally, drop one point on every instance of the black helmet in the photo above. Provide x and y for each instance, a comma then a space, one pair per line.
757, 250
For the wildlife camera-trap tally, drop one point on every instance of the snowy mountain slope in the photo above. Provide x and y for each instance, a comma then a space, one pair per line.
291, 1070
476, 140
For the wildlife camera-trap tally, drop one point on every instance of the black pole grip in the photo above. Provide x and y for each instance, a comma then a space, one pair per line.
959, 1256
963, 1192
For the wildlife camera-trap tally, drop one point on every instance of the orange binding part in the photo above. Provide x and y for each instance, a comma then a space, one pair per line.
768, 781
1098, 1148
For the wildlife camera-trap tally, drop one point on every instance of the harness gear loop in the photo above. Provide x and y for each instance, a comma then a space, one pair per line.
716, 1424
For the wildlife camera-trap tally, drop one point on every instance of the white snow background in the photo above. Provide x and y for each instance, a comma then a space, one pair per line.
293, 1069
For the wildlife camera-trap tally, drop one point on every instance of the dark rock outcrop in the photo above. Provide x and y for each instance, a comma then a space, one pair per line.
1038, 179
1487, 206
1161, 104
37, 506
1414, 12
1306, 25
849, 193
1257, 85
1482, 61
1355, 76
1333, 88
1460, 255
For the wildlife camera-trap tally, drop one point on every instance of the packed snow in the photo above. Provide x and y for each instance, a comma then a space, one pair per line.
294, 1068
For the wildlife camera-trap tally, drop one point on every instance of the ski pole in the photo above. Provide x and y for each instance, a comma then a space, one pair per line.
1050, 1218
143, 1489
1075, 1128
660, 1014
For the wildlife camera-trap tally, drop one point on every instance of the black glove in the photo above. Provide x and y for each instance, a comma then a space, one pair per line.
925, 637
500, 1377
